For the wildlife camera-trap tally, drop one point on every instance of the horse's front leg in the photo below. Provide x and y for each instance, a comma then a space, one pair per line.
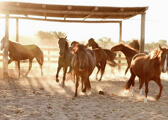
64, 76
58, 70
30, 65
146, 91
161, 87
76, 86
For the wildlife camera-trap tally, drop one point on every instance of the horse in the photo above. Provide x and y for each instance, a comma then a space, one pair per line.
128, 51
103, 56
83, 64
110, 55
134, 44
100, 59
64, 60
147, 68
19, 52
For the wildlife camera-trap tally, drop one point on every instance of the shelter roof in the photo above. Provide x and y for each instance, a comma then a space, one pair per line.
70, 12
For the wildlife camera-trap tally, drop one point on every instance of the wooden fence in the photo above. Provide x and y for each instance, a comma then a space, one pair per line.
51, 58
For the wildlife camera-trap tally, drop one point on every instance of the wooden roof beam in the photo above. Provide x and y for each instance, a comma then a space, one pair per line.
87, 16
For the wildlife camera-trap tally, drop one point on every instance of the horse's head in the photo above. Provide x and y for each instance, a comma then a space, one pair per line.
118, 47
63, 45
163, 58
81, 55
91, 42
2, 44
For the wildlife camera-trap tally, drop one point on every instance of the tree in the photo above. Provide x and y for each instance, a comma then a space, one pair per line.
49, 38
105, 42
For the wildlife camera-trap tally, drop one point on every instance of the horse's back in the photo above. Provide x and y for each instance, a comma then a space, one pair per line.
91, 60
139, 63
100, 55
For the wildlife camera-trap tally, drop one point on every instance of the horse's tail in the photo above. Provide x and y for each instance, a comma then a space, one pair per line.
40, 57
131, 81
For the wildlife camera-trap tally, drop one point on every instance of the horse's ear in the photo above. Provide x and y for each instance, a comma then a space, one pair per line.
58, 37
160, 47
74, 49
66, 37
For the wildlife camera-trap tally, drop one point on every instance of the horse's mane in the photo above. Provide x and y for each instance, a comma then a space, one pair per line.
129, 47
155, 53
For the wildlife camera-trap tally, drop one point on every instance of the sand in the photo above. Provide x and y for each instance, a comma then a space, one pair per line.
41, 98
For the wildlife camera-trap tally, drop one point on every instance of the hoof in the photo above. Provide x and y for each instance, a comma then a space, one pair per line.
101, 92
157, 98
57, 80
84, 90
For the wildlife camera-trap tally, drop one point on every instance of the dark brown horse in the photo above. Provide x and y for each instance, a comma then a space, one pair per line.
110, 55
65, 57
19, 52
134, 44
100, 59
128, 51
83, 63
148, 67
103, 56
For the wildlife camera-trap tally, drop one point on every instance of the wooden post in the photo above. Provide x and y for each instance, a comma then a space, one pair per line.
5, 54
120, 39
142, 42
17, 30
17, 40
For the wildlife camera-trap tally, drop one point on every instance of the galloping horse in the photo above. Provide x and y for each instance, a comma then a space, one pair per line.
83, 64
103, 56
65, 57
110, 55
134, 44
19, 52
128, 51
148, 67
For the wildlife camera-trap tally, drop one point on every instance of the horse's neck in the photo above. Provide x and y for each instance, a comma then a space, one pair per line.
128, 51
95, 46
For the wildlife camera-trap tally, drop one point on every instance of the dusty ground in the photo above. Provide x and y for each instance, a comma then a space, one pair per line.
41, 98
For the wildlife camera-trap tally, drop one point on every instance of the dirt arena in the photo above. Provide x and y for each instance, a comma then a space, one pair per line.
41, 98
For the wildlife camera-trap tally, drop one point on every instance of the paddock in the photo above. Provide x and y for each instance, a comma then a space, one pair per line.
36, 97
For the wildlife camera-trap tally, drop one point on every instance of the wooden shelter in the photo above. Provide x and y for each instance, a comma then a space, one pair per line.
67, 13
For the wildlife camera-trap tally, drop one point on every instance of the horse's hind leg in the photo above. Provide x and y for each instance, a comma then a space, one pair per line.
98, 67
161, 87
102, 70
146, 91
18, 67
30, 65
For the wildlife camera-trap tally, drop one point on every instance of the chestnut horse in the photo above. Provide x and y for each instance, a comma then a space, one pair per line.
128, 51
148, 67
64, 60
19, 52
83, 64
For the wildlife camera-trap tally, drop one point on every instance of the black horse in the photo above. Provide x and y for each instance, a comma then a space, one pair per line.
19, 52
65, 57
